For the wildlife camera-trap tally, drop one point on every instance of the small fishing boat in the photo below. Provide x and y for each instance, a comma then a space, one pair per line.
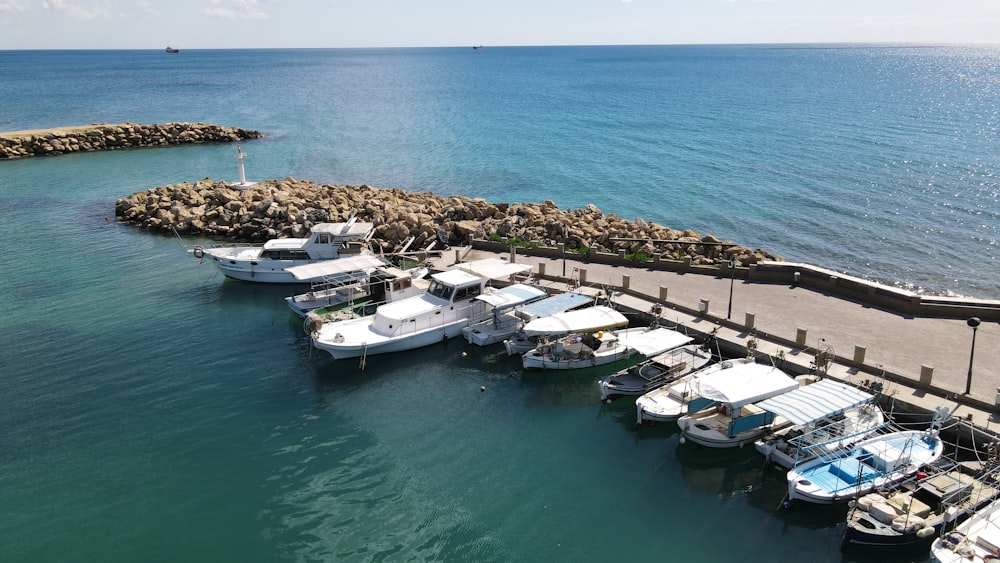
731, 417
919, 509
976, 539
585, 320
881, 460
269, 263
669, 402
578, 351
655, 372
336, 281
503, 321
823, 417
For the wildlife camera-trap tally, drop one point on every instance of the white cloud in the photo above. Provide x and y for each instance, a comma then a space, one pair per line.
147, 7
235, 10
102, 9
14, 7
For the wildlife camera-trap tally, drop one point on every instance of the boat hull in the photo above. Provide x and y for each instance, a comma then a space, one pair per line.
345, 350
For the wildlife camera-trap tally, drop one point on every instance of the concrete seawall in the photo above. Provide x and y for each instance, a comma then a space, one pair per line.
103, 136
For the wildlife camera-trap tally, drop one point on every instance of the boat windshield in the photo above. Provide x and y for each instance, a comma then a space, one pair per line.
438, 289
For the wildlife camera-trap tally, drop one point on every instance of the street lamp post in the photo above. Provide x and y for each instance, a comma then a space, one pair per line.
974, 323
732, 280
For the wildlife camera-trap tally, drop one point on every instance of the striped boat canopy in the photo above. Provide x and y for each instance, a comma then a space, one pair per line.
816, 401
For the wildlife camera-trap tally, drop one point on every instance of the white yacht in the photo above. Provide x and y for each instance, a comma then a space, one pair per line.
269, 263
440, 313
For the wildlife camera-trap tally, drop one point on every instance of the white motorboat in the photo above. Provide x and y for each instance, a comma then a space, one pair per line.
670, 402
348, 281
269, 263
655, 372
731, 418
577, 351
579, 321
503, 321
878, 461
822, 417
440, 313
976, 539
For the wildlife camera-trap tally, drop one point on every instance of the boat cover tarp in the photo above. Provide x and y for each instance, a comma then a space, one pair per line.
336, 266
654, 341
743, 384
555, 304
493, 268
511, 296
815, 401
598, 317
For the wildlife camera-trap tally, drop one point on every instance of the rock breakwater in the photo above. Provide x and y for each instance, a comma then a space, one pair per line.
101, 137
290, 207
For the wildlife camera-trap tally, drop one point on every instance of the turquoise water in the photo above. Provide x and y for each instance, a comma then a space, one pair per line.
154, 411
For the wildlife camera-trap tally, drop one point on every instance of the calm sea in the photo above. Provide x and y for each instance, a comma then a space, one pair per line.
153, 411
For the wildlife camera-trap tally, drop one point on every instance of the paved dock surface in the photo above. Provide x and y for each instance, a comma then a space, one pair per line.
898, 344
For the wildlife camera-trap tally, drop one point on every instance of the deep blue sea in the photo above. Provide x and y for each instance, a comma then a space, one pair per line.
153, 411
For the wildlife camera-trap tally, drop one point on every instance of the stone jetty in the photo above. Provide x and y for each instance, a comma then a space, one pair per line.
103, 136
418, 221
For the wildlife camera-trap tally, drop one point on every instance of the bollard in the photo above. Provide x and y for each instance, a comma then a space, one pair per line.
859, 354
583, 276
703, 306
663, 293
800, 337
749, 321
926, 373
541, 269
625, 281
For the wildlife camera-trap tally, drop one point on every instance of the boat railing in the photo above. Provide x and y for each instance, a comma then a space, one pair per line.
820, 444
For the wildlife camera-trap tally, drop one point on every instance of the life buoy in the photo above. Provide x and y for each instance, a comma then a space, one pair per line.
199, 252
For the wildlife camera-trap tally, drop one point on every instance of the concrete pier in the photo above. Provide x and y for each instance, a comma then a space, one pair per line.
792, 324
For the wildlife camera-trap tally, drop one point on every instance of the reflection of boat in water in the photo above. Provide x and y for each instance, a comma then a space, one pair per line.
172, 50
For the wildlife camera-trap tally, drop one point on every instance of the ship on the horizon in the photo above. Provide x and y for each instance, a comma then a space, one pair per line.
172, 50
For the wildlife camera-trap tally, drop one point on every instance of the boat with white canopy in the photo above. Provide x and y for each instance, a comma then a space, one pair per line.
821, 418
339, 281
577, 351
976, 539
579, 321
503, 320
730, 417
672, 401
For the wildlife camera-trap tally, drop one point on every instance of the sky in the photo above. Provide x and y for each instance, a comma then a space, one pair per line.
235, 24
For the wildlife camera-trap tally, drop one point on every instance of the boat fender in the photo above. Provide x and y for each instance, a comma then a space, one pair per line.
199, 252
925, 532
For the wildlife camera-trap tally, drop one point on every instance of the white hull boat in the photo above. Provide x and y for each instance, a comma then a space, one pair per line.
382, 284
440, 313
732, 419
670, 402
799, 444
601, 348
539, 331
655, 372
269, 263
503, 322
977, 539
879, 461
